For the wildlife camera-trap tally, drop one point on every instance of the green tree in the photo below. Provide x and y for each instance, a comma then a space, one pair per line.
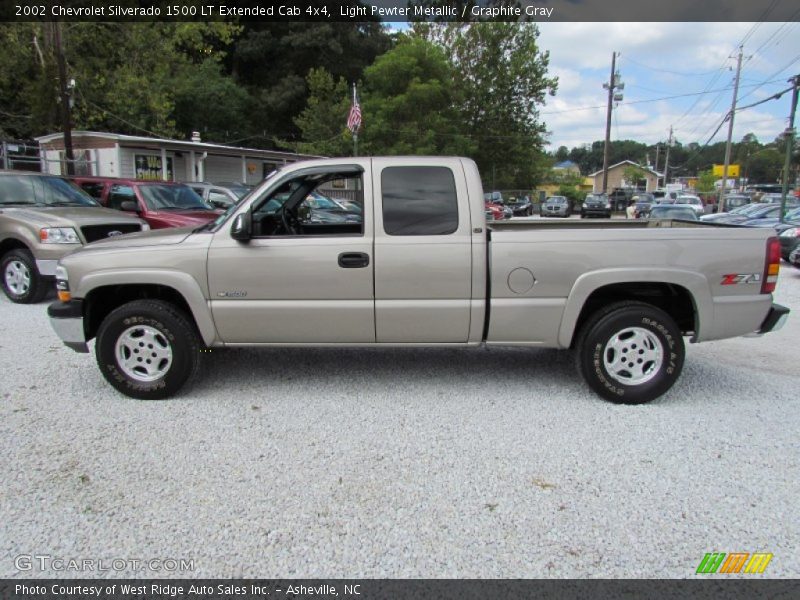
410, 102
502, 79
706, 181
633, 174
272, 59
323, 121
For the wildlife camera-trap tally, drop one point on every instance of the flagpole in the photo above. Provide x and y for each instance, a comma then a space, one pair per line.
355, 133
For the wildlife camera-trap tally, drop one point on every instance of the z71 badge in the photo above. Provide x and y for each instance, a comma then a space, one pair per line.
735, 278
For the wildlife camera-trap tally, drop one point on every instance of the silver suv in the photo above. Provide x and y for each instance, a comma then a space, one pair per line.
43, 218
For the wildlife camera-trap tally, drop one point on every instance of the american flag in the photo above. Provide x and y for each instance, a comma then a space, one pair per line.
354, 118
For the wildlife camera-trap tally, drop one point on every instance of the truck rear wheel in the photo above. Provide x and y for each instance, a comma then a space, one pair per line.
147, 349
630, 352
21, 280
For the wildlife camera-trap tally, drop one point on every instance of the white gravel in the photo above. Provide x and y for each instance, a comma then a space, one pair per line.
400, 463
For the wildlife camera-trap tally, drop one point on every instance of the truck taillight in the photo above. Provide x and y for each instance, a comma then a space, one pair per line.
772, 265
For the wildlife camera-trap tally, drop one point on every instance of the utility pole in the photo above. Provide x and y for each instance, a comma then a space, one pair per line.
612, 83
795, 81
63, 92
666, 158
655, 166
721, 202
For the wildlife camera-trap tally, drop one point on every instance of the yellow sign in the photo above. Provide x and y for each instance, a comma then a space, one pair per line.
733, 170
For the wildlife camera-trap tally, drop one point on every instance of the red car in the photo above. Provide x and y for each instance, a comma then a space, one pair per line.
161, 203
497, 212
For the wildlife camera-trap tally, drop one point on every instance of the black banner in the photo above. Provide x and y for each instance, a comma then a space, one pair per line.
731, 588
400, 10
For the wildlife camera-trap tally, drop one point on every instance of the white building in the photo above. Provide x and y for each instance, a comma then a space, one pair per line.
137, 157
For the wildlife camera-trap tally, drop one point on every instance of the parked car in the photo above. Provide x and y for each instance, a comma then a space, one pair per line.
732, 201
428, 272
596, 205
620, 197
771, 217
721, 216
555, 206
642, 202
160, 203
794, 258
761, 211
318, 208
219, 195
694, 201
496, 212
789, 238
684, 212
521, 207
43, 218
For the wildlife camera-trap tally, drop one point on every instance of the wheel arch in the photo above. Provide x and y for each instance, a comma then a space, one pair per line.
102, 292
683, 295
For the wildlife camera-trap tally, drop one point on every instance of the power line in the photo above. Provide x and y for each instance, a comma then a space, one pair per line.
629, 59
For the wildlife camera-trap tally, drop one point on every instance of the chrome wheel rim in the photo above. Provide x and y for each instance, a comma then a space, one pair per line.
633, 356
143, 353
18, 277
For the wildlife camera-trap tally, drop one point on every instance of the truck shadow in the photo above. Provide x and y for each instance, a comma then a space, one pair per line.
343, 368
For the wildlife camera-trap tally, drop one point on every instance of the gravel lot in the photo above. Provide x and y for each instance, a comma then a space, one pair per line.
400, 463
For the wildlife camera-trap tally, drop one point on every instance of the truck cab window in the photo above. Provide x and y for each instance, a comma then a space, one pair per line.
419, 201
311, 206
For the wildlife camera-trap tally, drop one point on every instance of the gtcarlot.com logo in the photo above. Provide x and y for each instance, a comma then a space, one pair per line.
48, 562
735, 562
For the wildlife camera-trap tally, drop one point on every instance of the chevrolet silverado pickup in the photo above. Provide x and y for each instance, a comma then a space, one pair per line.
421, 268
42, 218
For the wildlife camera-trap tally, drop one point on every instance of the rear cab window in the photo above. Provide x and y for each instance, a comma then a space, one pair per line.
419, 201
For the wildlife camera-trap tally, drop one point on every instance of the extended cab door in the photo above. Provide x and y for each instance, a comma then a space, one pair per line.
423, 251
313, 285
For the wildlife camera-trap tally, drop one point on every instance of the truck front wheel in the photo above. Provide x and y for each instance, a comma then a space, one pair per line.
630, 352
21, 280
147, 349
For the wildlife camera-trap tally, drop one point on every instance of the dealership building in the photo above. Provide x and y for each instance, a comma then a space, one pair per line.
138, 157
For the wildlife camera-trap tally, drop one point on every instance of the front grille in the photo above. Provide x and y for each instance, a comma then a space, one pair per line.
92, 233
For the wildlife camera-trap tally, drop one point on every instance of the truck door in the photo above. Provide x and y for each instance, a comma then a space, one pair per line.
423, 246
305, 276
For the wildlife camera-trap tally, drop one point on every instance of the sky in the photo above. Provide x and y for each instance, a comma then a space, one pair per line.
658, 61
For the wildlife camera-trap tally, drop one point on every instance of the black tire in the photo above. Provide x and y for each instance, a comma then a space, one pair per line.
34, 289
169, 328
593, 353
529, 212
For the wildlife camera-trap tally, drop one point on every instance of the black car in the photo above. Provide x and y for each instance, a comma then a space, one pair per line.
643, 201
521, 207
789, 237
596, 205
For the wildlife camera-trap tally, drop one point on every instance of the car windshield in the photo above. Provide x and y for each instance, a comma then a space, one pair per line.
672, 212
556, 200
42, 191
688, 200
172, 197
793, 214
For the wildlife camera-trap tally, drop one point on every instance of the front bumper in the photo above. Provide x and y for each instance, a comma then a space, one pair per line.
592, 211
66, 318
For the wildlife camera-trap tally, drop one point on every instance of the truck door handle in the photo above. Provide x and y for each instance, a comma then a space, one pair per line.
353, 260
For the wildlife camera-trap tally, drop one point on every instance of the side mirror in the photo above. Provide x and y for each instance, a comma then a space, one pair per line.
242, 229
129, 206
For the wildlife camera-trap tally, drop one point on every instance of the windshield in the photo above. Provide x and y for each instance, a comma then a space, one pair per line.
672, 212
42, 191
556, 200
172, 197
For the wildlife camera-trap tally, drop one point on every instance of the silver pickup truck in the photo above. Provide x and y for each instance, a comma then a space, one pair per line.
419, 267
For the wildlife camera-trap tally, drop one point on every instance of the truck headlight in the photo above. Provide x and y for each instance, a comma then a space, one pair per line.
58, 235
62, 284
608, 204
583, 205
145, 226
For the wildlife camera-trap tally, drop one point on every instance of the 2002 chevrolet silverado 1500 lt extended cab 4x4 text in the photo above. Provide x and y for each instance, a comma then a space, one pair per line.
421, 269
